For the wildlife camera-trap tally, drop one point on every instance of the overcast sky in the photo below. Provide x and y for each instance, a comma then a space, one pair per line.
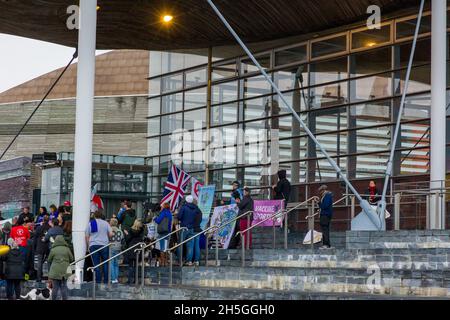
23, 59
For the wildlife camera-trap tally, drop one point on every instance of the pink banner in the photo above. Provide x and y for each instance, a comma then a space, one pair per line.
263, 209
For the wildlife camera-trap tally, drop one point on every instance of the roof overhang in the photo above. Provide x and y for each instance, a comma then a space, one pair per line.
136, 24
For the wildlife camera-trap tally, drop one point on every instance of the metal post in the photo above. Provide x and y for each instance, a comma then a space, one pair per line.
171, 269
438, 107
217, 250
207, 251
143, 268
208, 115
181, 254
311, 225
93, 284
248, 233
109, 267
285, 231
397, 200
353, 210
136, 273
84, 125
428, 212
273, 228
243, 249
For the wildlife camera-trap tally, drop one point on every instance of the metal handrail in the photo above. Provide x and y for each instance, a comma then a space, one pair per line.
152, 244
210, 229
318, 211
93, 268
273, 217
90, 254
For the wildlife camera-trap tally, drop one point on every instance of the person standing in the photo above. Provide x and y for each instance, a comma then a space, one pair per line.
40, 247
98, 233
164, 222
60, 258
116, 247
54, 231
133, 237
283, 188
373, 194
188, 216
20, 234
54, 213
245, 205
325, 201
14, 271
236, 192
25, 217
42, 213
128, 217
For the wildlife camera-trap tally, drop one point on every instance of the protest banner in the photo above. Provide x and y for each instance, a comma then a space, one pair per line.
263, 209
222, 215
205, 202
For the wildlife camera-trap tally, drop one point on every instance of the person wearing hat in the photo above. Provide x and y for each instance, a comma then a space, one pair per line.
14, 271
189, 216
283, 188
236, 192
325, 201
245, 205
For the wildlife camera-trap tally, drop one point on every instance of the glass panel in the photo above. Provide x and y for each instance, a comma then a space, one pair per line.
196, 77
328, 71
154, 107
257, 108
328, 120
172, 103
247, 65
368, 166
223, 180
256, 86
153, 147
224, 114
298, 100
416, 107
195, 119
370, 38
171, 123
172, 83
407, 28
154, 126
195, 98
420, 80
225, 92
370, 114
293, 149
370, 62
223, 71
329, 46
422, 54
370, 88
155, 86
373, 139
292, 78
329, 95
291, 55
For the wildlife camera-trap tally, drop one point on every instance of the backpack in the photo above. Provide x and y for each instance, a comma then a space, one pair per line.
163, 227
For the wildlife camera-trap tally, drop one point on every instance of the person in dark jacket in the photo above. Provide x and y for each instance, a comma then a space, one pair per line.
325, 201
5, 234
42, 213
40, 247
25, 217
283, 188
188, 216
245, 205
133, 236
128, 217
373, 194
236, 192
54, 231
15, 270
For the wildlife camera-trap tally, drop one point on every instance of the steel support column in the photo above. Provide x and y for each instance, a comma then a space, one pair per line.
84, 127
438, 111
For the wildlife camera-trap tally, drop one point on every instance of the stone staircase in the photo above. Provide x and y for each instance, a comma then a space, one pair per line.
365, 265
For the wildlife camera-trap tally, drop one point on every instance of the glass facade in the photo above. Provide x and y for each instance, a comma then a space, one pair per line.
347, 88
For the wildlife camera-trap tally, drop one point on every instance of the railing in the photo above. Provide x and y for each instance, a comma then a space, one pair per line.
150, 245
273, 218
136, 275
210, 229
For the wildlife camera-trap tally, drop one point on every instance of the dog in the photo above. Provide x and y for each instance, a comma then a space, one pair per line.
38, 294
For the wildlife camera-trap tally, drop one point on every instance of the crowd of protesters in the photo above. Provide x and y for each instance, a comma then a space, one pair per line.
47, 237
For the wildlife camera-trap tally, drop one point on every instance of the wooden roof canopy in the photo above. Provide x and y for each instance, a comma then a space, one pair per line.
136, 24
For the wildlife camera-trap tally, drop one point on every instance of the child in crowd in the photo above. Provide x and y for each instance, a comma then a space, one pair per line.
116, 247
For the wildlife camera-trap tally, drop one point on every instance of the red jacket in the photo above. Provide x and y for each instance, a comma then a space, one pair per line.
20, 235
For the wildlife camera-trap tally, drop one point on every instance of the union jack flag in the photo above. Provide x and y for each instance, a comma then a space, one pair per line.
175, 187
